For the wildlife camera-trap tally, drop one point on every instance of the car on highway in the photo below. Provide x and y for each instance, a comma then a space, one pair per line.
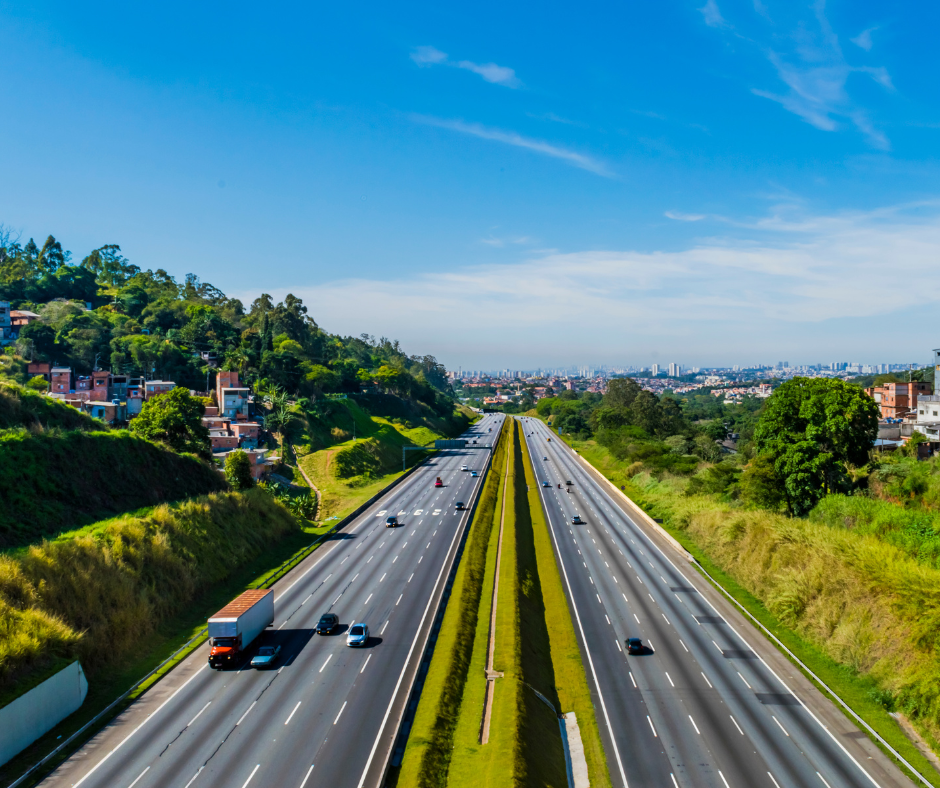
266, 657
465, 467
569, 482
576, 520
459, 506
327, 623
391, 522
634, 645
544, 458
474, 474
358, 635
546, 484
438, 482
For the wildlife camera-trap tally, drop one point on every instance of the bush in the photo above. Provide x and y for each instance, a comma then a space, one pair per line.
238, 470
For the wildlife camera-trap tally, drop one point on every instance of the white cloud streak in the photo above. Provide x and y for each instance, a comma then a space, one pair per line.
491, 72
816, 74
685, 217
863, 39
790, 273
517, 140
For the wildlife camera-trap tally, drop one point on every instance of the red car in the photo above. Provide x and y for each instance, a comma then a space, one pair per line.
438, 483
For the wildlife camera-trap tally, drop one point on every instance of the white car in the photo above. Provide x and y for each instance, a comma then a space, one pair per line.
358, 635
465, 467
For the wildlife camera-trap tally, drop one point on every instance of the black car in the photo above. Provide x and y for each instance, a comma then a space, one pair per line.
569, 482
459, 506
391, 522
634, 646
327, 623
576, 520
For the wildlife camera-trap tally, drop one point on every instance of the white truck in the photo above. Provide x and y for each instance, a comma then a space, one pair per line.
236, 625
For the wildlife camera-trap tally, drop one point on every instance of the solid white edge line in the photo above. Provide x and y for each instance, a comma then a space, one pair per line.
401, 676
587, 650
832, 736
124, 741
251, 775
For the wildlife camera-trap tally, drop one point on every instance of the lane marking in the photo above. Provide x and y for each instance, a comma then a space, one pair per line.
778, 723
633, 680
683, 645
674, 780
292, 713
744, 679
736, 725
399, 600
707, 681
340, 712
382, 577
823, 779
637, 619
196, 717
246, 713
666, 619
307, 777
324, 664
367, 599
412, 575
670, 680
618, 644
725, 781
365, 663
148, 769
772, 778
694, 725
648, 719
251, 775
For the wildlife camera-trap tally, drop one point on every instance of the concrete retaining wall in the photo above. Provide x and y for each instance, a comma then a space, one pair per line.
41, 709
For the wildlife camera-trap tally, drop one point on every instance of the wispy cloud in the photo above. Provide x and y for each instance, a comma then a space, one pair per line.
712, 15
863, 39
517, 140
491, 72
551, 116
816, 72
685, 217
781, 279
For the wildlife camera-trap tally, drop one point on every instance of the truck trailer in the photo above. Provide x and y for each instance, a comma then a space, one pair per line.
236, 625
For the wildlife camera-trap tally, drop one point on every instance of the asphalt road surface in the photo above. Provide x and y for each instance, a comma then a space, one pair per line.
699, 707
326, 714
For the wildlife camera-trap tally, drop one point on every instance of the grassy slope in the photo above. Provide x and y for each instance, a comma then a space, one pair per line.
56, 481
92, 597
861, 614
20, 407
324, 441
431, 741
570, 679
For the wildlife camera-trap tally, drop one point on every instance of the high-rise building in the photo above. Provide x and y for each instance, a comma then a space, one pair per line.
675, 370
654, 370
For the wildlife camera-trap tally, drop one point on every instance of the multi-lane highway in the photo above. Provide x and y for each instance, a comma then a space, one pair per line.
326, 714
700, 707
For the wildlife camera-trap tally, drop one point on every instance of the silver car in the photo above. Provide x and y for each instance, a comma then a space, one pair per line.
358, 635
266, 657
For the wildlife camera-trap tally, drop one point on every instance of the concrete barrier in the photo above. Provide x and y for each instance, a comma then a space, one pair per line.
42, 708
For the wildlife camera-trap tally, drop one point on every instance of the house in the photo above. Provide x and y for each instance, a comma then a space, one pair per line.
154, 387
231, 397
36, 368
108, 412
898, 400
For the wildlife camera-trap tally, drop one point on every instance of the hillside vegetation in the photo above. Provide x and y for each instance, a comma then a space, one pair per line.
349, 470
22, 408
98, 594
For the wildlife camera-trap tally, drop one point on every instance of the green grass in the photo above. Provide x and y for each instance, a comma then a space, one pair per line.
161, 644
570, 680
431, 741
53, 482
22, 408
860, 613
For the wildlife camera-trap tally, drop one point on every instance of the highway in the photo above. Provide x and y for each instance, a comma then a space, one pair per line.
326, 714
700, 707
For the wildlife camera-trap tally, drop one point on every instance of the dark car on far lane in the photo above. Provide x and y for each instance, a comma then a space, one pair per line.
634, 646
327, 623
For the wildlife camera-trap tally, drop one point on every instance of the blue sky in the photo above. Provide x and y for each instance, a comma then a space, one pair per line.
717, 183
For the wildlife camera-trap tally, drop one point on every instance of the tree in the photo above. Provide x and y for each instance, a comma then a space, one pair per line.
174, 418
38, 383
238, 470
621, 392
812, 428
645, 412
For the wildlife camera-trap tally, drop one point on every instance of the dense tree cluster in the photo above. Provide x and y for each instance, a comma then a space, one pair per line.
106, 312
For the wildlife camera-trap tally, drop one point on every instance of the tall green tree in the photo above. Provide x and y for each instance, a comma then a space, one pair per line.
174, 418
813, 428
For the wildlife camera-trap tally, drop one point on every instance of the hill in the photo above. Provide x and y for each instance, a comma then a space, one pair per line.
20, 407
